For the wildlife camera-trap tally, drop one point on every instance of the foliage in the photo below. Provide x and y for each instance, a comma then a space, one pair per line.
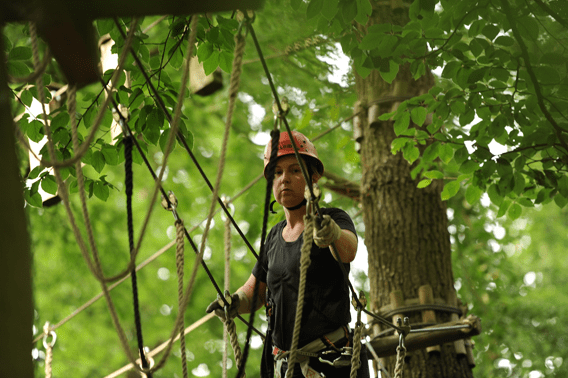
503, 80
503, 83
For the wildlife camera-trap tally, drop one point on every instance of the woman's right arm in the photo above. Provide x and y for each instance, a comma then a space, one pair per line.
246, 293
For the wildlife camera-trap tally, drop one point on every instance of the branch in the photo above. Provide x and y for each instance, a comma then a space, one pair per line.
552, 13
530, 71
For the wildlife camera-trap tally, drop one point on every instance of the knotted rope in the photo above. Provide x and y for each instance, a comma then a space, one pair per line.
305, 261
48, 331
400, 355
180, 235
227, 236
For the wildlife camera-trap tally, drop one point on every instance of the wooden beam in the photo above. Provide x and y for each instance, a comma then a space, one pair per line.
386, 346
46, 10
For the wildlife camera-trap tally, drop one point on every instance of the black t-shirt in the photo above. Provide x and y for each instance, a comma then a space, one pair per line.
326, 299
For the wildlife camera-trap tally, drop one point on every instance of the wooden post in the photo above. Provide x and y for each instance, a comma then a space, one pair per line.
453, 301
16, 309
426, 296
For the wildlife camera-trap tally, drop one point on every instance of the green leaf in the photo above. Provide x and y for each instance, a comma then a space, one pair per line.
100, 190
211, 63
515, 211
504, 40
519, 183
494, 195
391, 74
35, 172
450, 190
431, 152
204, 51
48, 184
314, 8
105, 25
60, 120
418, 115
20, 53
27, 98
397, 144
110, 154
98, 161
410, 152
473, 194
469, 166
226, 61
503, 207
424, 183
18, 69
154, 124
164, 140
364, 10
446, 153
32, 195
563, 185
35, 130
490, 31
402, 123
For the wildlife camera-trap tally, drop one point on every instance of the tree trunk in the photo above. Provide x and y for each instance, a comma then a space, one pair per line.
405, 227
16, 310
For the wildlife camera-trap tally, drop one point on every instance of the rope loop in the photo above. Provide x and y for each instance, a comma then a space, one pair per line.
48, 348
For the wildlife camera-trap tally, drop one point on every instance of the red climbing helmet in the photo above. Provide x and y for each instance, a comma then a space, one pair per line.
304, 145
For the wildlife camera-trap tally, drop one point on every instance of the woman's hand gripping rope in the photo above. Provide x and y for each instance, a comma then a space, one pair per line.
232, 310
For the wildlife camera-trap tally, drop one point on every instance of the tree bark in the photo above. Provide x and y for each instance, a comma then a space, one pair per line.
16, 309
405, 227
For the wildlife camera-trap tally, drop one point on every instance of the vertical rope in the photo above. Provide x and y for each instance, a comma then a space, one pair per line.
128, 183
356, 357
305, 261
47, 330
399, 368
232, 330
180, 234
227, 288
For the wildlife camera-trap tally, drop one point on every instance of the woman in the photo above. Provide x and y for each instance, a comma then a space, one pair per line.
326, 306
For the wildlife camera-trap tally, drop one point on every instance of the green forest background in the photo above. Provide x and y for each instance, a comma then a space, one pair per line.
509, 272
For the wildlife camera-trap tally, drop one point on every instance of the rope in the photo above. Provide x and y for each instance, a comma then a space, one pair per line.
232, 331
185, 145
400, 355
48, 331
227, 236
275, 138
356, 357
80, 152
128, 190
305, 261
179, 266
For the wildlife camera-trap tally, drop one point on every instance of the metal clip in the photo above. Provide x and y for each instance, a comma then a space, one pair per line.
405, 331
170, 204
343, 360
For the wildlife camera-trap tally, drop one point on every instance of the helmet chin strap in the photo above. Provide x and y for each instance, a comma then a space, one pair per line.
298, 206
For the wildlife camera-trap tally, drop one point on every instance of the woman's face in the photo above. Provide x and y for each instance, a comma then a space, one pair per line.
289, 184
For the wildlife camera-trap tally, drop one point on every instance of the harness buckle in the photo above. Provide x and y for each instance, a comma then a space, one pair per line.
343, 360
